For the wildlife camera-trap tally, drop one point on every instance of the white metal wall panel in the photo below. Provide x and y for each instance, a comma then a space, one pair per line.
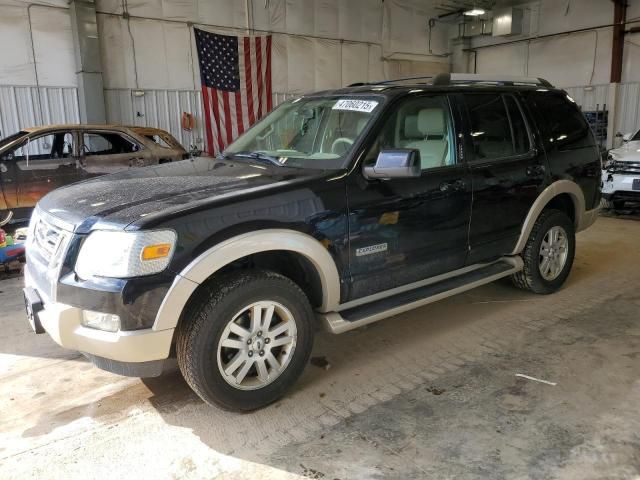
628, 108
16, 64
590, 97
52, 42
158, 108
405, 31
306, 51
22, 107
163, 109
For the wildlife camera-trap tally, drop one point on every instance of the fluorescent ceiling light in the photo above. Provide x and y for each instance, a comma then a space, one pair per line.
474, 12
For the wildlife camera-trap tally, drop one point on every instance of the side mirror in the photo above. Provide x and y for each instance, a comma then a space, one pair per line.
627, 136
397, 163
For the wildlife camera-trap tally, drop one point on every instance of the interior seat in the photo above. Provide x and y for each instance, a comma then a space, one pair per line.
427, 132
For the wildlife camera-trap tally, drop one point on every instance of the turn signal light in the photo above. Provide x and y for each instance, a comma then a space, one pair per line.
153, 252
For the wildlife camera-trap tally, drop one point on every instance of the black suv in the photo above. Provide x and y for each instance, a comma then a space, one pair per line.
338, 209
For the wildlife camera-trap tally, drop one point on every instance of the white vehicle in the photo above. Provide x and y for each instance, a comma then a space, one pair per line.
621, 173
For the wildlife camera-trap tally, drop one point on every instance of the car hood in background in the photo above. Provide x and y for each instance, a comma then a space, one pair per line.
117, 200
629, 152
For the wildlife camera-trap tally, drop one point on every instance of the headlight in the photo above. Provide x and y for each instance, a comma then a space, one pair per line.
125, 254
609, 162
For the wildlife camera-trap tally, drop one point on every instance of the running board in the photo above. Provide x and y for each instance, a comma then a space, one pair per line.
361, 315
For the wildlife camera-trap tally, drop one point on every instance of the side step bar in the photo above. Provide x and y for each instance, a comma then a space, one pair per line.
345, 320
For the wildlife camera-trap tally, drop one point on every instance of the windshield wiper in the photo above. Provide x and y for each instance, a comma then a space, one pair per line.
263, 157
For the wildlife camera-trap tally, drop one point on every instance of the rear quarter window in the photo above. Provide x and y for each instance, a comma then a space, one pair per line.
563, 124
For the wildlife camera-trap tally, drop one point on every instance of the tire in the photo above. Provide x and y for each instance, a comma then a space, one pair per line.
207, 323
5, 217
531, 277
612, 204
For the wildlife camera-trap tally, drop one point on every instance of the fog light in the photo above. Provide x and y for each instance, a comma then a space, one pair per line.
100, 321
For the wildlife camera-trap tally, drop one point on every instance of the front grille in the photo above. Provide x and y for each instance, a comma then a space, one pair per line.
46, 246
47, 239
625, 168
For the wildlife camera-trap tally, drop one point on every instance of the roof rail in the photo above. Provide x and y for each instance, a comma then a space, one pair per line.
451, 78
454, 78
404, 79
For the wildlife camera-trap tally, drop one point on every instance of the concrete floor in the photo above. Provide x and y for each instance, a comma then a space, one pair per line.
429, 394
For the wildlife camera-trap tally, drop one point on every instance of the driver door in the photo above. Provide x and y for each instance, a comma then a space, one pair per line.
8, 183
43, 163
404, 230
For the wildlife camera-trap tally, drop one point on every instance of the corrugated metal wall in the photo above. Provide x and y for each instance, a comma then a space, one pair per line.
163, 109
24, 106
157, 108
627, 108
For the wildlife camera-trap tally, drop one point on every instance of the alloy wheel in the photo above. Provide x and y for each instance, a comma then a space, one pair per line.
256, 346
554, 251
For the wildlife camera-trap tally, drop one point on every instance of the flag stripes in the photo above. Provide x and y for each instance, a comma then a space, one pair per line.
236, 84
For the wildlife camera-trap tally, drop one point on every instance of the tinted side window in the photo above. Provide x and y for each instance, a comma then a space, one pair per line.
490, 128
564, 123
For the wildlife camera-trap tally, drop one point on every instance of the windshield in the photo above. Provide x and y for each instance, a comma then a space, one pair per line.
11, 138
309, 132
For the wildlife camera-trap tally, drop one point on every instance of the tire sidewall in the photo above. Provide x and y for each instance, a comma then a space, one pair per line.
205, 345
556, 218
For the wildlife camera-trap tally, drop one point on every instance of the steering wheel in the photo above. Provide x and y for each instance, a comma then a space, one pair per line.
338, 141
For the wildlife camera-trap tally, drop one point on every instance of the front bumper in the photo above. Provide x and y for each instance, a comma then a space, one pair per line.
62, 323
134, 353
618, 185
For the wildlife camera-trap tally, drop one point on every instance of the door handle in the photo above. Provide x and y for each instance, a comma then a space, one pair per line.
535, 170
453, 185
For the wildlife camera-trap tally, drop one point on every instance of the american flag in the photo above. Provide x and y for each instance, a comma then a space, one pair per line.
236, 84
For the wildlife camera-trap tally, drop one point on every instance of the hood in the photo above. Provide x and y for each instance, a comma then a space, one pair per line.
629, 152
117, 200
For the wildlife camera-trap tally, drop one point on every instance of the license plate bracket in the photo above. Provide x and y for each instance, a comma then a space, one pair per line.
33, 306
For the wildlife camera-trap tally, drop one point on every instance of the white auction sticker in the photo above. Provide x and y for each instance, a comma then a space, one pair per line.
355, 105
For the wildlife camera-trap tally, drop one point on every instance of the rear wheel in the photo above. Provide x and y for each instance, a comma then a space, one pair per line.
548, 254
247, 340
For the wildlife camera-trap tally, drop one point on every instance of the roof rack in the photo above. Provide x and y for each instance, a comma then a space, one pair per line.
456, 78
452, 78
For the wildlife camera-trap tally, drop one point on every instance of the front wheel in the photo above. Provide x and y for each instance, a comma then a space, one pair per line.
548, 254
246, 341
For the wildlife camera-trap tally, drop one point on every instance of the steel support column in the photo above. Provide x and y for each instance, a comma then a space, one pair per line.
617, 49
86, 45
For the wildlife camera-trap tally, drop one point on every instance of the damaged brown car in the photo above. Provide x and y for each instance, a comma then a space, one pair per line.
37, 160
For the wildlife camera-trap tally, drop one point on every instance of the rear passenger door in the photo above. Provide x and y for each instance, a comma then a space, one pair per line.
508, 172
108, 152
